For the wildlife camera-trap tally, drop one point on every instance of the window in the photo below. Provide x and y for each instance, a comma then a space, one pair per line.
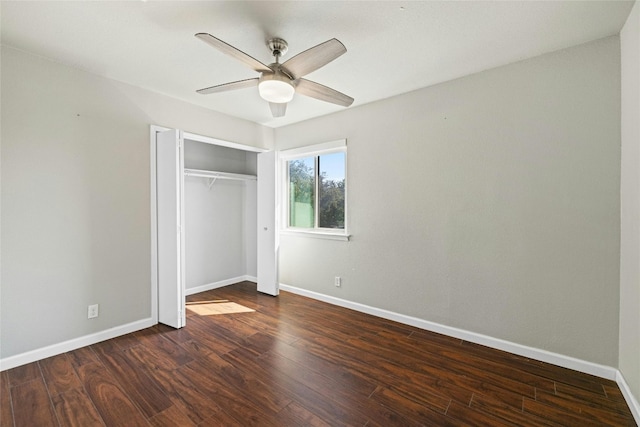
316, 189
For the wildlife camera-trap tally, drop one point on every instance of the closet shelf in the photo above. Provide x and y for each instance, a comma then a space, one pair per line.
219, 175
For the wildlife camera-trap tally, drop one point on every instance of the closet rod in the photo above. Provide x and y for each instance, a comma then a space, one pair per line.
219, 175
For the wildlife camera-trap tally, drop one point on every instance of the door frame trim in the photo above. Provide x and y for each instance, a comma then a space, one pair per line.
153, 131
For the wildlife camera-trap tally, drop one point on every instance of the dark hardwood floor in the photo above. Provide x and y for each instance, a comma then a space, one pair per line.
299, 362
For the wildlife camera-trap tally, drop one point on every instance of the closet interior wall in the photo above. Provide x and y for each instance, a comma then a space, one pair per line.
220, 219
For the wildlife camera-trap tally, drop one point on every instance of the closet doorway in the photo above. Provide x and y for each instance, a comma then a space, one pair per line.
213, 214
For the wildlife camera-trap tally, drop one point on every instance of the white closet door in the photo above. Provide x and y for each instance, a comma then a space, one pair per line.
267, 237
169, 171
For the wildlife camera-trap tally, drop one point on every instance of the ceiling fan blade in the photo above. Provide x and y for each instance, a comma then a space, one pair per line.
278, 110
313, 58
323, 93
223, 47
240, 84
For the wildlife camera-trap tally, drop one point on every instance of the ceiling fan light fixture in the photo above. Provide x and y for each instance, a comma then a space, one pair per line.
276, 88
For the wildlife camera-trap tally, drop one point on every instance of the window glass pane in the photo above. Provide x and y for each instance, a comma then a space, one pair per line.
302, 192
331, 190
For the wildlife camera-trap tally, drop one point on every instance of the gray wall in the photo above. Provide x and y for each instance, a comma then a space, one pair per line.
75, 197
490, 203
630, 204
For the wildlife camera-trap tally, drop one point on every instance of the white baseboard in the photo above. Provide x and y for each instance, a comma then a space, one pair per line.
634, 406
220, 284
63, 347
522, 350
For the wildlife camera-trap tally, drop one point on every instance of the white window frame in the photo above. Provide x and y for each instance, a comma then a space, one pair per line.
338, 146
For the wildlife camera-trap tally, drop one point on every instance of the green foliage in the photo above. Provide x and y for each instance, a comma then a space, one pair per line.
301, 179
331, 203
302, 191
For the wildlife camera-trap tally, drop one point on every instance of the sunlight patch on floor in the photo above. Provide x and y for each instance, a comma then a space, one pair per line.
208, 308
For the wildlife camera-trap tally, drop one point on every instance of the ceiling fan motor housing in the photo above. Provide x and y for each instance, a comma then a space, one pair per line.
278, 47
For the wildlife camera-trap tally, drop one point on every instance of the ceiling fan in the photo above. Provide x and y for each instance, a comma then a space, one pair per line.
278, 82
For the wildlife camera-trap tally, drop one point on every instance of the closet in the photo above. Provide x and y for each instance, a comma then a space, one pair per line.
215, 218
220, 199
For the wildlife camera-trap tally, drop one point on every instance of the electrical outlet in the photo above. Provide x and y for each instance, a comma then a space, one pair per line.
93, 311
338, 281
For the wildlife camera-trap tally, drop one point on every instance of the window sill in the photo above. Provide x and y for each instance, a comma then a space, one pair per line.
316, 234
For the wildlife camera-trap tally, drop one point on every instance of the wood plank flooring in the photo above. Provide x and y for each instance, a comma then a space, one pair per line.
299, 362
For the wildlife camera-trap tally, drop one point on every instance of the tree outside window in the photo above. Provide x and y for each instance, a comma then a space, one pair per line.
317, 181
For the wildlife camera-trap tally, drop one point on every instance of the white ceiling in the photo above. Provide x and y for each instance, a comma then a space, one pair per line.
392, 46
